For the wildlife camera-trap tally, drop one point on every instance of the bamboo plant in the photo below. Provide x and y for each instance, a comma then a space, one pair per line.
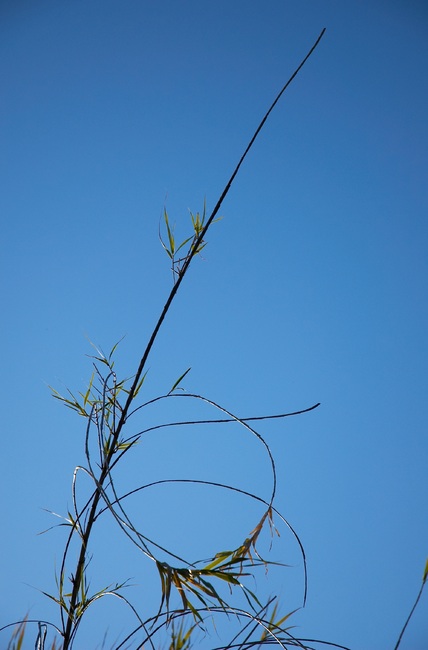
191, 593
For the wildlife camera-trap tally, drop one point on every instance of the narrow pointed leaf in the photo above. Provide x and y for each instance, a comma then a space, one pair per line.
179, 380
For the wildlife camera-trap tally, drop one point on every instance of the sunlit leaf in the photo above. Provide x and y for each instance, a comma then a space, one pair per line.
140, 383
219, 558
183, 243
179, 380
170, 234
88, 392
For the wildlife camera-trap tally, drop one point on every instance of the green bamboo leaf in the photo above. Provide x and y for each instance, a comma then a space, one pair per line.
17, 638
170, 235
196, 614
59, 602
226, 577
113, 350
124, 445
196, 223
54, 392
20, 638
73, 405
165, 574
178, 381
193, 590
102, 357
218, 559
167, 251
200, 247
70, 518
253, 598
282, 620
179, 639
184, 243
140, 383
88, 392
274, 625
211, 589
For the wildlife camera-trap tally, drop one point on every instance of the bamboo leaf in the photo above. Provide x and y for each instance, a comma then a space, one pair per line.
140, 383
102, 357
273, 624
200, 247
113, 350
125, 445
183, 243
88, 392
219, 559
179, 639
167, 251
20, 638
179, 380
170, 235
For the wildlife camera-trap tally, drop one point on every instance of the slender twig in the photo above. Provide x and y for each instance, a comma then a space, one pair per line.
217, 421
415, 604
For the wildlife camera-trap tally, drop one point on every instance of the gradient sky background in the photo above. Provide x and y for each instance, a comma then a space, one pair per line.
312, 288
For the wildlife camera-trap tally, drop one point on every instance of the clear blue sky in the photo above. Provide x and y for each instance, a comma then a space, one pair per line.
313, 288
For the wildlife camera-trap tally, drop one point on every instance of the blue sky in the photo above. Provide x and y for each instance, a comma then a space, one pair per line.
312, 288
